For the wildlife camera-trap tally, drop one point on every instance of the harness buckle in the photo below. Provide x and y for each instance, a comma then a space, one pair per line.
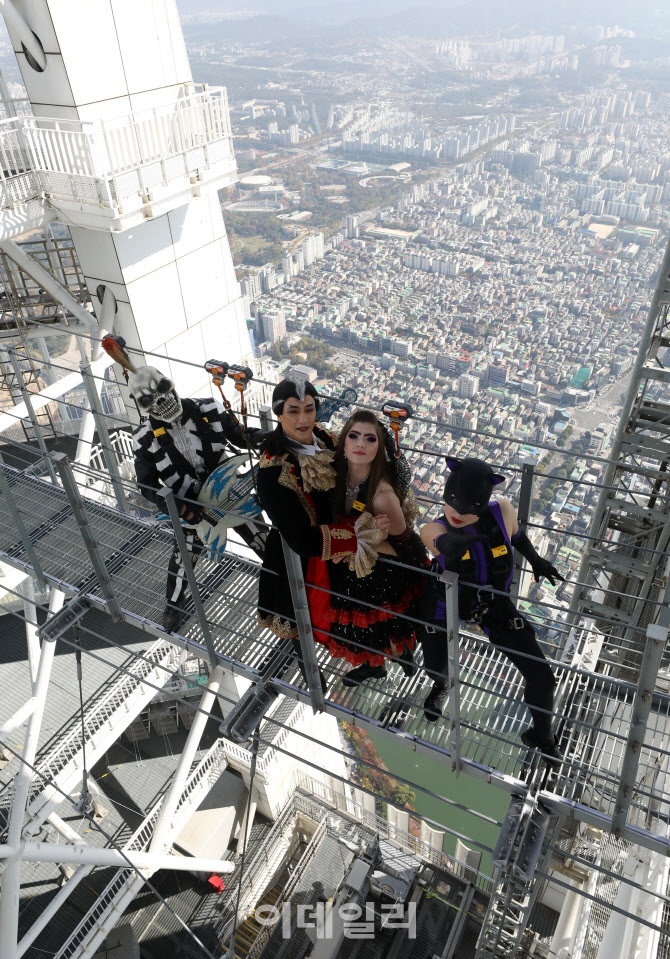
516, 622
481, 606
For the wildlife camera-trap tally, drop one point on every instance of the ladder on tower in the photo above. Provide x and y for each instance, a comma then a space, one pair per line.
520, 856
622, 575
621, 587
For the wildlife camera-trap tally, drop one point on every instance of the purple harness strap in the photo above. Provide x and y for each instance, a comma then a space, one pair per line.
478, 555
494, 506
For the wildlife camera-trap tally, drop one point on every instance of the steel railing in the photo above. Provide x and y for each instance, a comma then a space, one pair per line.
109, 160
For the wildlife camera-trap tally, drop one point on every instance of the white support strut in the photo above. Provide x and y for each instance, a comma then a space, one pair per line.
27, 589
162, 837
86, 855
18, 718
71, 381
11, 878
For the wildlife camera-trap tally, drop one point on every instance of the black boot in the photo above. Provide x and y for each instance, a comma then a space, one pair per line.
545, 741
172, 616
435, 701
324, 683
357, 676
406, 662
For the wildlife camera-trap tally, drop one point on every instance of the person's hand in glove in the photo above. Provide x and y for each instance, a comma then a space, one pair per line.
540, 566
453, 546
257, 436
190, 512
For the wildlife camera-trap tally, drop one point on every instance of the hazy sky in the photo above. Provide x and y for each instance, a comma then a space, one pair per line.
535, 14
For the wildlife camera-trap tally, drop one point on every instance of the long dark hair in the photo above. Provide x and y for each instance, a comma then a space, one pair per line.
378, 470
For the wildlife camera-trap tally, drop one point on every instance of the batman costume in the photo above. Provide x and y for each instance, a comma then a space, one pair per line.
477, 545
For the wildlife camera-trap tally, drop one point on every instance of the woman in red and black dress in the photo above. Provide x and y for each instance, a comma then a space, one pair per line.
361, 613
296, 479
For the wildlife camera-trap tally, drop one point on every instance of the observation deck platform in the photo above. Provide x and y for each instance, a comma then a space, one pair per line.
594, 711
113, 174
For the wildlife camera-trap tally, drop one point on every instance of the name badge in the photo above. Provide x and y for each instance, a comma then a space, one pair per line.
159, 431
499, 551
357, 505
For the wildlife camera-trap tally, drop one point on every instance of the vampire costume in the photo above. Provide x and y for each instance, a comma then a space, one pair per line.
482, 553
178, 446
295, 483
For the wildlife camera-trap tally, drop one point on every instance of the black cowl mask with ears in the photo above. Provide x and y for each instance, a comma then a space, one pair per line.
469, 485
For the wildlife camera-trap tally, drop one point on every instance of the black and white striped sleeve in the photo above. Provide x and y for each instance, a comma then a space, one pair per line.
222, 423
144, 442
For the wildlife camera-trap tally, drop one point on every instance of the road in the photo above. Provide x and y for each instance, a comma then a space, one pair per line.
604, 410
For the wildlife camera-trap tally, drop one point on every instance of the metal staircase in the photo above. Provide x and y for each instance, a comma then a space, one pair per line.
28, 313
247, 933
106, 717
126, 883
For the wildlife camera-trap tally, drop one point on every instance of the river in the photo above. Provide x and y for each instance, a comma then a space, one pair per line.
466, 790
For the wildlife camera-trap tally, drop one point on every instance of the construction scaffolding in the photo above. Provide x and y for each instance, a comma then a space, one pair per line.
612, 707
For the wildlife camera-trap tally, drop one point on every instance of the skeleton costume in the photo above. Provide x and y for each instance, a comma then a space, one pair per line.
178, 446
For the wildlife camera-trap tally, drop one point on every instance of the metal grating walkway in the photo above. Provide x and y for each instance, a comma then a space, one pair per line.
136, 553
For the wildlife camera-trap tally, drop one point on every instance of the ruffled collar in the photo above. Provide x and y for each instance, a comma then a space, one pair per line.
304, 449
317, 470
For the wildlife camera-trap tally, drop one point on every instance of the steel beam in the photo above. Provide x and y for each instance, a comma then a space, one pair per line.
53, 393
296, 579
52, 908
86, 855
657, 638
160, 841
25, 393
108, 453
11, 877
21, 528
523, 513
17, 719
88, 421
27, 590
87, 533
450, 583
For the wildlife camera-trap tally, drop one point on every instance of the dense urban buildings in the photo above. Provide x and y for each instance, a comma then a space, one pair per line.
502, 297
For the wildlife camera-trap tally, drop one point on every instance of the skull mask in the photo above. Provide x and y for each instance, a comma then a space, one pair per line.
155, 394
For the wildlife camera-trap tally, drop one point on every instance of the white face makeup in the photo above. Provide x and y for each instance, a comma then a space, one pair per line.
361, 444
298, 419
